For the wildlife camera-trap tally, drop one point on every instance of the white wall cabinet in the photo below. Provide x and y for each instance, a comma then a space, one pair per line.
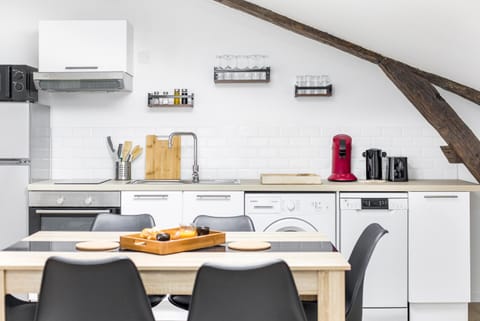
85, 45
216, 203
439, 254
164, 206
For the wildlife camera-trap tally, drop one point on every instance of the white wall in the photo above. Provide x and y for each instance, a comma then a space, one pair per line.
245, 130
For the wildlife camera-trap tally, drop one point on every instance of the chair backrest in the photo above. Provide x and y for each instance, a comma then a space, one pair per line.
361, 254
241, 223
116, 222
265, 292
93, 290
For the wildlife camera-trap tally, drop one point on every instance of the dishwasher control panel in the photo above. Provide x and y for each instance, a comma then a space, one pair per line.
374, 203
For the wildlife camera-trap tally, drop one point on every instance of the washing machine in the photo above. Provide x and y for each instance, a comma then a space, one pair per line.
292, 212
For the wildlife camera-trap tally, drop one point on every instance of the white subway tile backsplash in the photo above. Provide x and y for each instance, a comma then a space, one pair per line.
247, 151
269, 131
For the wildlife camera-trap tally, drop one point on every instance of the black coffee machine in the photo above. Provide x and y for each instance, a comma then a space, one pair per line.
373, 162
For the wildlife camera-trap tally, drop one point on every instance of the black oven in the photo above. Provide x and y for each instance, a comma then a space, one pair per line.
16, 83
68, 210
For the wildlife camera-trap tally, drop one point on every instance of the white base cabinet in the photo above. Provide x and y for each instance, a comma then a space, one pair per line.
165, 207
387, 314
215, 203
171, 208
439, 256
438, 312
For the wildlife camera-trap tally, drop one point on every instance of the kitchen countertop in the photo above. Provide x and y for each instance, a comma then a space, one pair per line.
255, 185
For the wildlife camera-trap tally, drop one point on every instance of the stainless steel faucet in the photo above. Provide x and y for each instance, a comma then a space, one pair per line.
195, 177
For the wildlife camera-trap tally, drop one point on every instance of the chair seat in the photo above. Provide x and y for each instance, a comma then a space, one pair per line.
180, 301
155, 299
21, 312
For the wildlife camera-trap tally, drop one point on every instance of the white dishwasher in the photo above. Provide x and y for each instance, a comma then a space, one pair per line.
385, 287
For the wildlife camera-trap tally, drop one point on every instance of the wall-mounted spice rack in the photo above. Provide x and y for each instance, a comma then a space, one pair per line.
259, 75
176, 100
313, 86
313, 91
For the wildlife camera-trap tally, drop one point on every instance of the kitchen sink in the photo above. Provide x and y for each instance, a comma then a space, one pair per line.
184, 181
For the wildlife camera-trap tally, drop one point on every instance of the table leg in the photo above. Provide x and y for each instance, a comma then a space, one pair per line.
331, 296
2, 295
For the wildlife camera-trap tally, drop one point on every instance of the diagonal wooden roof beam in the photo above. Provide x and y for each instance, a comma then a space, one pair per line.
437, 112
349, 47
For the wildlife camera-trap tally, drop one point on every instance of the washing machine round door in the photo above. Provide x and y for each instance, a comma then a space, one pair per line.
290, 224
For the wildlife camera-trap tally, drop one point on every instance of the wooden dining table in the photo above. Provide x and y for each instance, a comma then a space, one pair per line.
317, 274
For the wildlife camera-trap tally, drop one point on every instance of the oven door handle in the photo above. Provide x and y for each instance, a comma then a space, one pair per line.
78, 212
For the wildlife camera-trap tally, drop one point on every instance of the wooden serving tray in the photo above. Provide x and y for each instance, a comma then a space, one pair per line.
292, 179
136, 243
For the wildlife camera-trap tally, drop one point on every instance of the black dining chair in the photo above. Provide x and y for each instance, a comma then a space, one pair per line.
240, 223
262, 292
116, 222
79, 290
359, 259
94, 290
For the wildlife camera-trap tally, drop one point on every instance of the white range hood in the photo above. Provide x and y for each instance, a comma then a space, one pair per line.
85, 55
83, 81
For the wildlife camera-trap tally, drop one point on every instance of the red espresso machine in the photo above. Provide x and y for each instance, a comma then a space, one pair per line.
341, 157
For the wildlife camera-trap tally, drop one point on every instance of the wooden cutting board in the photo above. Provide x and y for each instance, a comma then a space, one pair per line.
286, 179
162, 162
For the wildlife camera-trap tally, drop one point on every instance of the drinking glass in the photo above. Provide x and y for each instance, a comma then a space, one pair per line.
229, 65
242, 64
256, 65
219, 65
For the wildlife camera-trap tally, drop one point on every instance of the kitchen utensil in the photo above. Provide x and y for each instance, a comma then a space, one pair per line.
137, 150
119, 151
341, 157
127, 145
373, 163
397, 169
123, 171
162, 162
112, 150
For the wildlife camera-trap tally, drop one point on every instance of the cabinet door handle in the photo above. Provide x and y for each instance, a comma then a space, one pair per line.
81, 67
213, 197
162, 197
440, 196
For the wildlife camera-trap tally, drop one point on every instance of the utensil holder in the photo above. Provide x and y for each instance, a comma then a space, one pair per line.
123, 171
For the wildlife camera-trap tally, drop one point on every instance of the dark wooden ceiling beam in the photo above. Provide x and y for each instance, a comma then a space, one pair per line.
450, 154
302, 29
437, 112
346, 46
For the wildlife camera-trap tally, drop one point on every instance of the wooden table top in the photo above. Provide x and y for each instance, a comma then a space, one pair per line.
187, 261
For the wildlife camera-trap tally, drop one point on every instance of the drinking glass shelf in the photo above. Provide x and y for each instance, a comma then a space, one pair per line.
313, 91
260, 75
